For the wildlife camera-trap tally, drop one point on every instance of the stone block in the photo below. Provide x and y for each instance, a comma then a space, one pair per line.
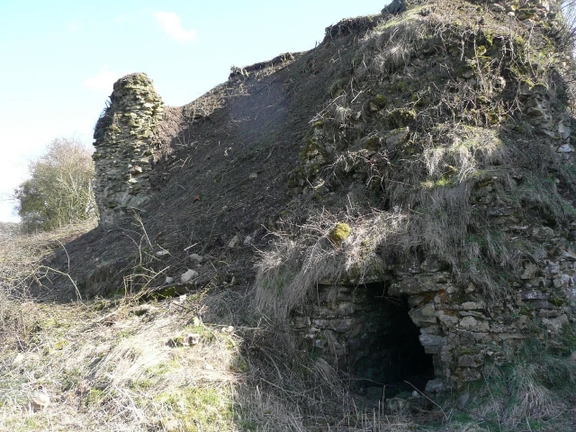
397, 136
346, 308
529, 271
510, 336
556, 324
301, 322
447, 319
468, 374
432, 330
471, 323
470, 361
325, 312
471, 305
435, 386
319, 323
480, 337
188, 276
432, 343
431, 264
561, 281
552, 268
534, 295
423, 315
341, 325
419, 284
563, 130
565, 148
472, 313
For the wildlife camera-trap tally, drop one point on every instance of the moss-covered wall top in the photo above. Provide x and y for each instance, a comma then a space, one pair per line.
125, 141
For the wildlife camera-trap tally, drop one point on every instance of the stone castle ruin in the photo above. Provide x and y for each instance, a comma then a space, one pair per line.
125, 141
453, 119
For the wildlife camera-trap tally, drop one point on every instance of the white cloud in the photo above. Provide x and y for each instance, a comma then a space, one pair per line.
103, 82
170, 23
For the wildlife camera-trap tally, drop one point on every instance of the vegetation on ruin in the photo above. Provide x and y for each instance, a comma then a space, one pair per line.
399, 134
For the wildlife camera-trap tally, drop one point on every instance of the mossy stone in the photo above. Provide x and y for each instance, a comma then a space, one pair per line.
340, 232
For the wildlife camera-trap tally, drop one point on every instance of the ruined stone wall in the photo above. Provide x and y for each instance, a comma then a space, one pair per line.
125, 141
457, 326
460, 325
525, 9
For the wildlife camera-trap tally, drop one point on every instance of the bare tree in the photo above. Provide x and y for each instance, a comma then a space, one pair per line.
59, 191
569, 15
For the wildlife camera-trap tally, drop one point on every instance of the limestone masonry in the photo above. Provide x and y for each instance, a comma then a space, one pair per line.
125, 142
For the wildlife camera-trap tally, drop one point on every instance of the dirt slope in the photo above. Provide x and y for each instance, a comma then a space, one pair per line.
225, 172
417, 113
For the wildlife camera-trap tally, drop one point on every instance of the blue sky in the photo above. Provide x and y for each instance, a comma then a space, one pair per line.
60, 59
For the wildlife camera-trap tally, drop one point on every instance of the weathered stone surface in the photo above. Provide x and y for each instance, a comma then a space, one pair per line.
471, 361
473, 305
556, 324
346, 308
529, 271
471, 323
509, 336
468, 374
435, 386
188, 276
124, 147
561, 280
534, 295
342, 325
432, 330
447, 319
423, 315
432, 343
420, 284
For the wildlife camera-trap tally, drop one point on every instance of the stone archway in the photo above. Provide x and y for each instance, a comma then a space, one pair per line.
389, 355
369, 335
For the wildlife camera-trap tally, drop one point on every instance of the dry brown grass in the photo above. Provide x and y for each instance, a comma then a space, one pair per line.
120, 368
116, 365
21, 256
121, 365
288, 273
106, 365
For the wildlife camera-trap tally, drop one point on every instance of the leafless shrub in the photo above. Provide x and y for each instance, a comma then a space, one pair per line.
395, 45
569, 15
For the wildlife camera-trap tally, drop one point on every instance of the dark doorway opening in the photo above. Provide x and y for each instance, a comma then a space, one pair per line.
389, 353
